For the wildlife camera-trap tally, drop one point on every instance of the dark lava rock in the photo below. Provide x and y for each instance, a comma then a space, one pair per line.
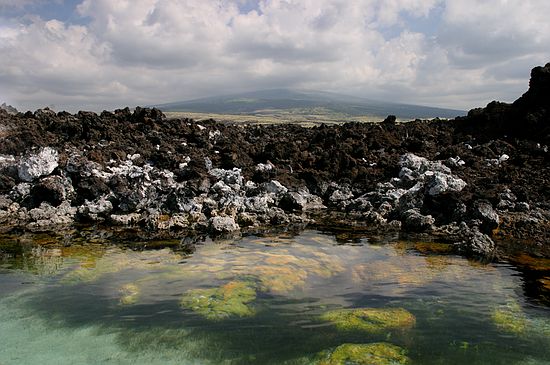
482, 174
413, 221
528, 117
484, 211
475, 243
51, 189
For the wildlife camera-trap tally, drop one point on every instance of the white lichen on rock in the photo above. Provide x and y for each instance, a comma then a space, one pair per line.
36, 165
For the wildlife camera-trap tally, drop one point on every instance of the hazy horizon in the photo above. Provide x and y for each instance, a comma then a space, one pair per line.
99, 54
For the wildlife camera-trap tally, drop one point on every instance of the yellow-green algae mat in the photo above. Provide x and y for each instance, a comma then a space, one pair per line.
379, 353
511, 318
219, 303
370, 319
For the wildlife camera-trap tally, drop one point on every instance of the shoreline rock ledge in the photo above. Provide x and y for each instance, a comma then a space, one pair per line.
478, 181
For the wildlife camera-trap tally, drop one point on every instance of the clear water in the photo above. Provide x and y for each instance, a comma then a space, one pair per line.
101, 303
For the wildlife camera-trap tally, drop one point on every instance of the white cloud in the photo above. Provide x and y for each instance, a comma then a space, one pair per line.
160, 34
148, 51
478, 32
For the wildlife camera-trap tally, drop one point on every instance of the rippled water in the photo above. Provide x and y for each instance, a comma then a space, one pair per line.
262, 300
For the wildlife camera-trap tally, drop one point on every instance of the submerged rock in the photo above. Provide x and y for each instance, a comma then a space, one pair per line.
510, 318
229, 300
129, 294
380, 353
370, 319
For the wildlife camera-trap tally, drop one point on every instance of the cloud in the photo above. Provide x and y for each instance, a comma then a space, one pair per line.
160, 34
51, 56
477, 33
147, 51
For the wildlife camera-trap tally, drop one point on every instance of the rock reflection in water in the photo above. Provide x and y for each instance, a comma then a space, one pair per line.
397, 270
115, 260
48, 259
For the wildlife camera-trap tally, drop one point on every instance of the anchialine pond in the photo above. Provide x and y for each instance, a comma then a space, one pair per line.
284, 299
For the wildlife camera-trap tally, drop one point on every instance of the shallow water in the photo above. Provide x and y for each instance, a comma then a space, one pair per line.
260, 300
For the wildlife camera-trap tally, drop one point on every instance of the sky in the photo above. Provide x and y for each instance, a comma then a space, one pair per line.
105, 54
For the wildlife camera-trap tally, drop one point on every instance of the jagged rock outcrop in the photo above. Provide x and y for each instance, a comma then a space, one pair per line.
526, 117
8, 108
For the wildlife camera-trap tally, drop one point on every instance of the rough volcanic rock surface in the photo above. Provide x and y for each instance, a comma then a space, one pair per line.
469, 180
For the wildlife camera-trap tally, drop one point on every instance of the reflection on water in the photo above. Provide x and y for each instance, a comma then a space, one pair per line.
306, 299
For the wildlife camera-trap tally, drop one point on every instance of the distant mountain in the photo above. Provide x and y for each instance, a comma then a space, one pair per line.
305, 102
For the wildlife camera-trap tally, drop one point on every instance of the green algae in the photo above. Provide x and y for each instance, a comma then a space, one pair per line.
425, 247
229, 300
379, 353
291, 292
129, 294
371, 320
532, 263
276, 271
434, 247
510, 318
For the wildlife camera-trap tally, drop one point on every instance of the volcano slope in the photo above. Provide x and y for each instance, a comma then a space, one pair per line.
471, 181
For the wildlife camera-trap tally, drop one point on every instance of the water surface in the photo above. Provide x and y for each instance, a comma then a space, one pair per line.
260, 300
